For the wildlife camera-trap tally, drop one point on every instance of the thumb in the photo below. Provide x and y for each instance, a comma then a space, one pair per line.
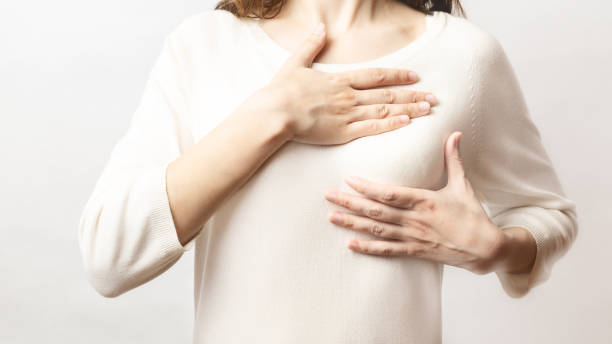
309, 49
454, 165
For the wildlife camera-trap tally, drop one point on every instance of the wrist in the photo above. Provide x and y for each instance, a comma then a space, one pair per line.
274, 105
494, 249
265, 107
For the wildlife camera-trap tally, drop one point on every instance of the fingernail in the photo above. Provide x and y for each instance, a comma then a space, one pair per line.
404, 118
423, 106
334, 217
431, 99
319, 29
413, 76
331, 195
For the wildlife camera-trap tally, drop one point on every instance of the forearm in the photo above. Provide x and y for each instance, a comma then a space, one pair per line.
212, 169
517, 252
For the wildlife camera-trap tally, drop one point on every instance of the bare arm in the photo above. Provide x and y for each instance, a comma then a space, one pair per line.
517, 252
236, 148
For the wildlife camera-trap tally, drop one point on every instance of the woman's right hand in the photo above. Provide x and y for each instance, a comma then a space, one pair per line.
334, 108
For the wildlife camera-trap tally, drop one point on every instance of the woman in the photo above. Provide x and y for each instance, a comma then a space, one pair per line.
244, 142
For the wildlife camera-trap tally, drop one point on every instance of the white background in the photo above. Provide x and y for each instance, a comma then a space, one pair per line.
71, 74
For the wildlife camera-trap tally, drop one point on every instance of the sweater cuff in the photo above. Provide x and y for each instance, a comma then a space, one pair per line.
530, 218
162, 222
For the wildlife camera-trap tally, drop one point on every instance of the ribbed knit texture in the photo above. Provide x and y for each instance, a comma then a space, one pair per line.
269, 266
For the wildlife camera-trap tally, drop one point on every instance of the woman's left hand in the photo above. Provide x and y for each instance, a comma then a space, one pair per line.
447, 225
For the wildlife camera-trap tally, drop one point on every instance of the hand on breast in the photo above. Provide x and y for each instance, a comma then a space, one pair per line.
447, 225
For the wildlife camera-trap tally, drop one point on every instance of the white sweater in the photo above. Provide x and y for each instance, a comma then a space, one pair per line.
269, 266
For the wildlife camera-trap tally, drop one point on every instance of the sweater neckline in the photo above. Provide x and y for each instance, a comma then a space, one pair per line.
434, 23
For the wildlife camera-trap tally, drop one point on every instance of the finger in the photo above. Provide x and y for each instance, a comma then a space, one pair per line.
366, 207
375, 126
378, 76
309, 49
452, 159
396, 96
379, 111
373, 227
388, 248
367, 225
399, 196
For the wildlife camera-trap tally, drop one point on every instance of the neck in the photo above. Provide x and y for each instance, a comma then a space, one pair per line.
338, 15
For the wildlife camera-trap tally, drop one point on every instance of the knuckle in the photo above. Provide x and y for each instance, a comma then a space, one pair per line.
459, 160
374, 212
378, 75
345, 202
413, 96
419, 227
382, 111
418, 251
377, 229
423, 200
389, 195
362, 111
373, 126
421, 234
404, 217
433, 245
412, 109
414, 250
388, 96
430, 204
346, 95
387, 251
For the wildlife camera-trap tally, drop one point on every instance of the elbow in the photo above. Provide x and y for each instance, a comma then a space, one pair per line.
574, 226
108, 291
564, 235
551, 246
121, 252
111, 280
106, 278
101, 261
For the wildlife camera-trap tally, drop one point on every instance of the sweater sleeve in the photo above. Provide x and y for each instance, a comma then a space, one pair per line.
126, 230
513, 174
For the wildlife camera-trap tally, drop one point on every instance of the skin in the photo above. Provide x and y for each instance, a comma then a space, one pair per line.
299, 104
356, 30
314, 107
447, 226
458, 231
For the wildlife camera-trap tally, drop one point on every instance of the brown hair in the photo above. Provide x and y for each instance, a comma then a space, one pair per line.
262, 8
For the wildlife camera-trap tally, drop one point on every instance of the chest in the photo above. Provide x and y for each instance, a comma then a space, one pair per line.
412, 155
281, 208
